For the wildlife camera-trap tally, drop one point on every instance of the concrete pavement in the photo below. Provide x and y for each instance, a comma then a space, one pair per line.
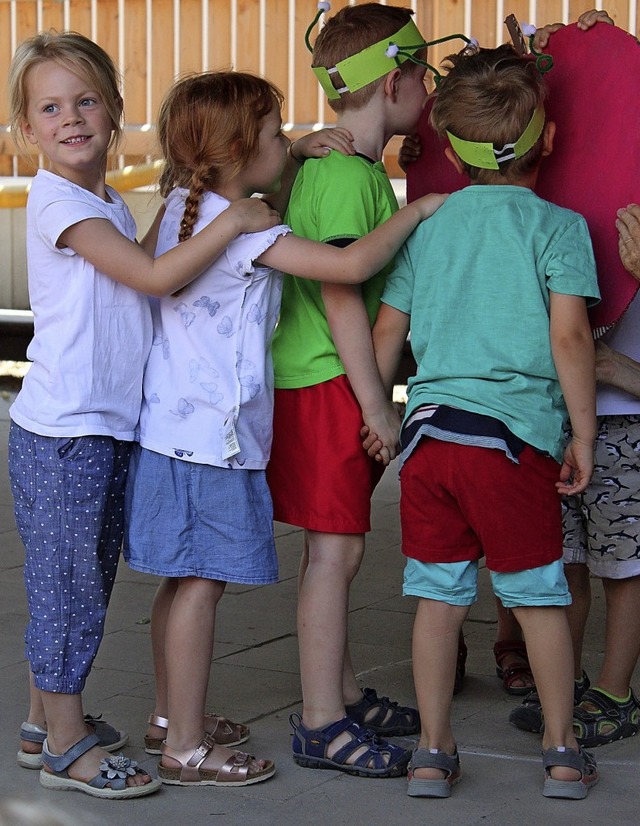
254, 678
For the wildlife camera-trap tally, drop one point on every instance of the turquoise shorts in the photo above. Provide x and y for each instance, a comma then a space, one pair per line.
457, 583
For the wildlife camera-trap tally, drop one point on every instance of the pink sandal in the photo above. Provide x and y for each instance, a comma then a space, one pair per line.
224, 732
236, 771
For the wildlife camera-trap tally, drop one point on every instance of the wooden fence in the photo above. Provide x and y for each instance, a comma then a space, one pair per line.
154, 41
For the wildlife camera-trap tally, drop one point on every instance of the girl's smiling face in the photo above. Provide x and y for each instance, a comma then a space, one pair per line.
68, 120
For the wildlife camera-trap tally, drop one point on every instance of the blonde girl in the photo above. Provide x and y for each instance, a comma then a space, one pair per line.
198, 508
75, 418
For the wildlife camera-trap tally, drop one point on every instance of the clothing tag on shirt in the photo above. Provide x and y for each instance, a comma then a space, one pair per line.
230, 437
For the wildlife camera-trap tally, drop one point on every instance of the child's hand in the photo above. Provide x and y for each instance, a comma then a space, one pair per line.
589, 18
428, 204
410, 151
577, 468
253, 215
320, 143
381, 433
628, 226
586, 20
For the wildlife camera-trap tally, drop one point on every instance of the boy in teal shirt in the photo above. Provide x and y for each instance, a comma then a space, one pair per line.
495, 291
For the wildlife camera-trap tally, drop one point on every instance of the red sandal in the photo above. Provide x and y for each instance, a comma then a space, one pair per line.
508, 651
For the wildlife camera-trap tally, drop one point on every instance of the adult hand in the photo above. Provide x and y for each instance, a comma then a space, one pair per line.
628, 225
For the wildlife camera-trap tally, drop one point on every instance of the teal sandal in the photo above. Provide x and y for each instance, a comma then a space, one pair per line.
433, 759
380, 758
611, 721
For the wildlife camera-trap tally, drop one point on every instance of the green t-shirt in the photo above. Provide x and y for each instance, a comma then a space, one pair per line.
475, 279
337, 197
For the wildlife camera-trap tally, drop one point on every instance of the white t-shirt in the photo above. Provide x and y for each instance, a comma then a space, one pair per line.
92, 334
208, 385
625, 338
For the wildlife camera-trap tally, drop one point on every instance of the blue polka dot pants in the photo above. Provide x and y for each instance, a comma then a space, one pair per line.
68, 500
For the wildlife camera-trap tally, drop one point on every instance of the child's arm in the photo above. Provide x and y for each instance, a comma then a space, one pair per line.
314, 145
573, 354
389, 335
360, 260
110, 252
150, 239
351, 331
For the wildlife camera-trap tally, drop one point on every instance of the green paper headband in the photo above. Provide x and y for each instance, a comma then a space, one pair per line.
371, 63
487, 156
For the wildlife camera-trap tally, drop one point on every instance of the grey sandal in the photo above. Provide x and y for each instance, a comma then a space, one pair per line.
580, 760
109, 738
110, 782
433, 759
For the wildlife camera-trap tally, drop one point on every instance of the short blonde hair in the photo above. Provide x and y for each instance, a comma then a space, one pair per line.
489, 95
79, 55
348, 32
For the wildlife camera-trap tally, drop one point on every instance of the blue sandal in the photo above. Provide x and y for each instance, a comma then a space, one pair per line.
380, 759
384, 716
109, 738
110, 782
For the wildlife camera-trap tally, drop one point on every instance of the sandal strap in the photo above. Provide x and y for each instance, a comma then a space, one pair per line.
314, 743
504, 647
32, 733
157, 720
387, 714
435, 759
114, 771
605, 705
60, 762
235, 769
580, 760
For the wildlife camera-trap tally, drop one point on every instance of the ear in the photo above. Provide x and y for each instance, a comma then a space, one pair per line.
548, 135
391, 82
27, 131
454, 160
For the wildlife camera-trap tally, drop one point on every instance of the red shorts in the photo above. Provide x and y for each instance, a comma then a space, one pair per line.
460, 502
319, 474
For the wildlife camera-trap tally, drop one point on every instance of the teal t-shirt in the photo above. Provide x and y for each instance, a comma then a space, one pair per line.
475, 279
333, 198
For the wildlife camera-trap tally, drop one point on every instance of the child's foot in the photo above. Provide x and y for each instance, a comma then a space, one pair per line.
432, 773
347, 747
224, 732
209, 764
569, 773
382, 715
32, 736
86, 767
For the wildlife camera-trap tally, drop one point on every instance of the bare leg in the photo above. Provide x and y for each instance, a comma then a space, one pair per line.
323, 606
65, 727
435, 651
622, 638
509, 630
553, 675
36, 716
160, 611
578, 612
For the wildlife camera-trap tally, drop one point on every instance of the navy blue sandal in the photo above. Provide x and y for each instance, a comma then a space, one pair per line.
380, 759
384, 716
